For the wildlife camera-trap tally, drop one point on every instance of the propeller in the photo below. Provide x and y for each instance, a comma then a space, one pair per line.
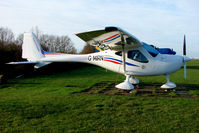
185, 58
184, 46
184, 55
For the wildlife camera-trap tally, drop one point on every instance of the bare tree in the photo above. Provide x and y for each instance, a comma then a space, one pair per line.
36, 30
64, 44
54, 43
19, 39
6, 36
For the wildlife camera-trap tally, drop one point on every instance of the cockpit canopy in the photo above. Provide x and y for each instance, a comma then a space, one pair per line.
153, 52
137, 55
151, 49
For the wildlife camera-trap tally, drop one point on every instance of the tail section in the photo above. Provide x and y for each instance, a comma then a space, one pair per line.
31, 48
32, 51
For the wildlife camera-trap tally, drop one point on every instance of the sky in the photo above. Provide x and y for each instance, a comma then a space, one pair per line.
159, 22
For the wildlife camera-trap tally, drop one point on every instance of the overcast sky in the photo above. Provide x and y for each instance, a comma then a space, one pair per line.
159, 22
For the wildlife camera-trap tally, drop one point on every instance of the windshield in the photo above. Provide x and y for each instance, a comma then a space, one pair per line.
153, 52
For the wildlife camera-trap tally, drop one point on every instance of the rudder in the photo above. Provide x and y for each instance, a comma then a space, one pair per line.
31, 48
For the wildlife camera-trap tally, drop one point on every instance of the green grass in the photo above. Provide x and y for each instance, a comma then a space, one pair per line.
47, 103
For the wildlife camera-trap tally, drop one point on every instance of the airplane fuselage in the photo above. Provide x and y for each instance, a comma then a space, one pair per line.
108, 59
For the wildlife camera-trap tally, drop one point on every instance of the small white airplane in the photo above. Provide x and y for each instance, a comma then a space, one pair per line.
122, 53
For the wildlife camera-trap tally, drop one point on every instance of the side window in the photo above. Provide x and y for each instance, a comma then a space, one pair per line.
119, 53
137, 56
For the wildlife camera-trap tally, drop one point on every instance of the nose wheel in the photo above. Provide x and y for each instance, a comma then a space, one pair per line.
169, 84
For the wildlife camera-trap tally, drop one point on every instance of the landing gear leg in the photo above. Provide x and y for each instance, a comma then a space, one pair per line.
126, 85
169, 84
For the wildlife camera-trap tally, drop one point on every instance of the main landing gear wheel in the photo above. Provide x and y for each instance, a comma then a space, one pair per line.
133, 80
169, 84
126, 85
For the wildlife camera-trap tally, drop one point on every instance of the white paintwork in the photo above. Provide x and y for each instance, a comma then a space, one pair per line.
162, 64
126, 85
31, 48
169, 84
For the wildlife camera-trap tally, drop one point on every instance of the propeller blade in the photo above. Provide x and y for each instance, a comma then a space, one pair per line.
184, 46
185, 58
185, 71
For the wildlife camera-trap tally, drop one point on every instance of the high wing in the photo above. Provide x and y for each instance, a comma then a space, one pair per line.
111, 37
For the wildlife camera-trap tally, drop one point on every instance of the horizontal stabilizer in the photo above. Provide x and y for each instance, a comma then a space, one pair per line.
36, 64
24, 62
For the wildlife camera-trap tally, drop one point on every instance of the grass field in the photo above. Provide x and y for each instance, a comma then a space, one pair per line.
47, 103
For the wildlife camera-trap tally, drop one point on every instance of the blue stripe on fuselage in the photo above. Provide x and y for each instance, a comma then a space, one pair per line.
130, 64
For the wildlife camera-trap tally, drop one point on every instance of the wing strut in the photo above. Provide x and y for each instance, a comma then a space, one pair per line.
123, 52
126, 85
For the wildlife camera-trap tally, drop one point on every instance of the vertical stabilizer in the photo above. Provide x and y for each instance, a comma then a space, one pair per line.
31, 48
